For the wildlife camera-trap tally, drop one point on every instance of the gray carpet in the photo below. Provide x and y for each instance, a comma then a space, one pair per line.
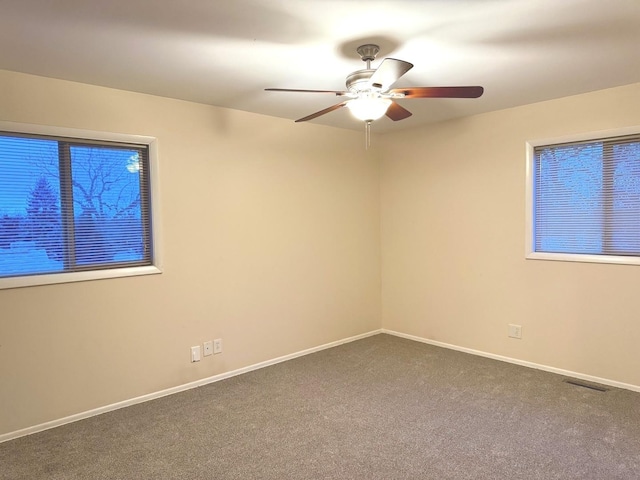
378, 408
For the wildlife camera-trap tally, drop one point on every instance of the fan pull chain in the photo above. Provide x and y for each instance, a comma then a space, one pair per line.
367, 134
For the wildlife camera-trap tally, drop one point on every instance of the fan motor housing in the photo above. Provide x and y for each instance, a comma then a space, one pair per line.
358, 81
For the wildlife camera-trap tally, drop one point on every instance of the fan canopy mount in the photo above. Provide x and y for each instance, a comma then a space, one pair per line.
368, 52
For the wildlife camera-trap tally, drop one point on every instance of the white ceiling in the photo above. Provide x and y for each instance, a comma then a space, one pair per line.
226, 52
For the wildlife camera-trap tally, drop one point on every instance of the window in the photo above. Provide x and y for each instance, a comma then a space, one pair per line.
74, 207
584, 199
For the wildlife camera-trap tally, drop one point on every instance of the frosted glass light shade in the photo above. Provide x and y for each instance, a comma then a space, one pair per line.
368, 108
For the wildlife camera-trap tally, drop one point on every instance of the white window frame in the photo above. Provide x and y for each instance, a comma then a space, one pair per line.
530, 253
55, 278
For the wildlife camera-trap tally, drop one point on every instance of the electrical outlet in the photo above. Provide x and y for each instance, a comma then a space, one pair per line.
217, 345
208, 348
195, 354
515, 331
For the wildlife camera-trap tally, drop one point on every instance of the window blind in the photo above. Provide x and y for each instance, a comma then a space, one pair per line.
587, 197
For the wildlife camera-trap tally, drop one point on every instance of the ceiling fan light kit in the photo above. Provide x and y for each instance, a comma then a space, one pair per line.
370, 95
368, 107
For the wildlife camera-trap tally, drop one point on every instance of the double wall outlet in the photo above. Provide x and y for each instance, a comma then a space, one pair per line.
515, 331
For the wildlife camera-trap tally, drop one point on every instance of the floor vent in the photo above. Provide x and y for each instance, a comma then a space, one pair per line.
579, 383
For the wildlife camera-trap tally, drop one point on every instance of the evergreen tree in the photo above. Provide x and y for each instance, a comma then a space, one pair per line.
43, 218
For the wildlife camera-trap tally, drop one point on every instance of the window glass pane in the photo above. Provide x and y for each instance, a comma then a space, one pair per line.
568, 199
107, 210
30, 221
625, 211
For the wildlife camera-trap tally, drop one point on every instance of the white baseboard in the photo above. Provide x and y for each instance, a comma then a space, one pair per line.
216, 378
180, 388
546, 368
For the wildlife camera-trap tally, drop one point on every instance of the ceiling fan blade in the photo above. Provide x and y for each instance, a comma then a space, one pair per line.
337, 92
389, 71
322, 112
397, 112
439, 92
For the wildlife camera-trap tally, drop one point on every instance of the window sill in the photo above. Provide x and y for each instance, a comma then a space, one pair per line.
573, 257
51, 279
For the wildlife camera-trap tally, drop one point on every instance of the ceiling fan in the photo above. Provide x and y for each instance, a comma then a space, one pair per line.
369, 93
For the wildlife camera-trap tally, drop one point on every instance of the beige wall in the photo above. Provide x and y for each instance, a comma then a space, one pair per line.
271, 242
453, 243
